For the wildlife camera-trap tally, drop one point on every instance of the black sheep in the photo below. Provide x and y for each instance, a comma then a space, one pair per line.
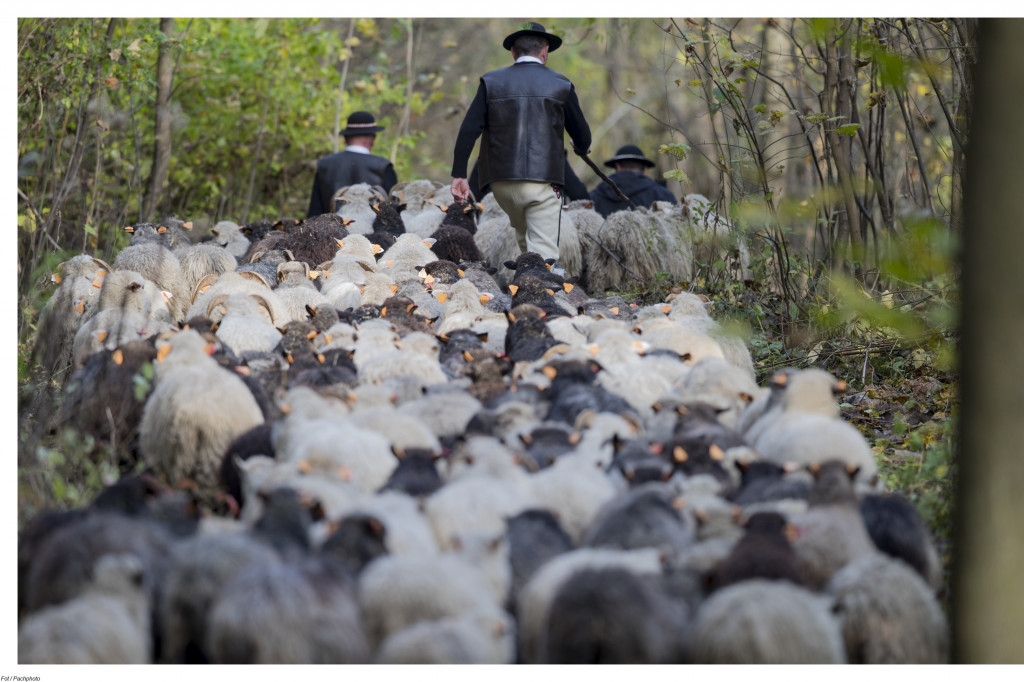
613, 615
645, 516
898, 530
105, 397
527, 337
534, 537
358, 540
440, 271
257, 229
455, 243
640, 461
462, 215
389, 217
545, 444
538, 291
399, 311
764, 551
764, 481
256, 441
573, 392
416, 474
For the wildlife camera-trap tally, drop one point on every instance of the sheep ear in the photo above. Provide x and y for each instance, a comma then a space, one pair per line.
840, 387
510, 264
742, 465
814, 468
398, 452
852, 470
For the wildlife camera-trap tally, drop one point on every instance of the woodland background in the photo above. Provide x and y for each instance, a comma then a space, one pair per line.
837, 146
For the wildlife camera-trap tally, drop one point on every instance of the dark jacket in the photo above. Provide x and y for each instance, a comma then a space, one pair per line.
523, 112
641, 190
344, 168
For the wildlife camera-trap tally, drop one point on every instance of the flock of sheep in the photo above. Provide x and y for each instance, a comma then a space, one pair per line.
411, 443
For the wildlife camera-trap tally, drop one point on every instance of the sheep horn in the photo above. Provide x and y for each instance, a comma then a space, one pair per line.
215, 302
204, 282
266, 304
255, 276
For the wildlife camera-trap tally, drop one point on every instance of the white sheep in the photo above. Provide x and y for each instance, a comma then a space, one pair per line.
354, 203
244, 323
472, 505
485, 638
196, 409
212, 289
574, 489
407, 529
396, 592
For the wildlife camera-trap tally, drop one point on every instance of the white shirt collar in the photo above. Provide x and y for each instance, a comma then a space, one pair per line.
358, 149
528, 58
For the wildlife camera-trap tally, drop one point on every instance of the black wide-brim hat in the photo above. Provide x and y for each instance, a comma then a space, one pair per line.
630, 152
361, 123
532, 28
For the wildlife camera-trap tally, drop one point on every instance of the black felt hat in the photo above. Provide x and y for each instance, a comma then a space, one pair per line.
630, 152
532, 28
361, 123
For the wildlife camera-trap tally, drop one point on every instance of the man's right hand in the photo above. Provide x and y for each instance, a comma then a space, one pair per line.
460, 189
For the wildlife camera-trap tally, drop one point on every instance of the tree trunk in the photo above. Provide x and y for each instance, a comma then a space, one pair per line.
964, 57
839, 85
988, 594
162, 146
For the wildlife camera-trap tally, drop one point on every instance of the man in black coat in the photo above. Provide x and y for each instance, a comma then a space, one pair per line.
351, 166
631, 177
523, 112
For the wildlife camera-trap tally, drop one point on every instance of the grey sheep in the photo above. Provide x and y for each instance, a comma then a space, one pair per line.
201, 260
159, 264
108, 623
766, 622
626, 243
199, 569
79, 281
230, 236
296, 613
122, 315
831, 533
888, 614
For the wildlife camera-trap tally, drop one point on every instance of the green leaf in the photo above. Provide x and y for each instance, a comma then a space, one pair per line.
850, 129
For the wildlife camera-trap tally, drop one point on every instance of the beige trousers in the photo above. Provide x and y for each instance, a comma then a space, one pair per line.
533, 209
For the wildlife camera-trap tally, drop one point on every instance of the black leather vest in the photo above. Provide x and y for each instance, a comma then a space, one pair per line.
344, 168
525, 126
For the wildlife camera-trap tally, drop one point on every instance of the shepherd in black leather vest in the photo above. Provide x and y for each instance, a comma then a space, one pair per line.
523, 112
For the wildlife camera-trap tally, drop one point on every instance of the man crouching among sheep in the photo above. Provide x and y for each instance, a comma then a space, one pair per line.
523, 112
